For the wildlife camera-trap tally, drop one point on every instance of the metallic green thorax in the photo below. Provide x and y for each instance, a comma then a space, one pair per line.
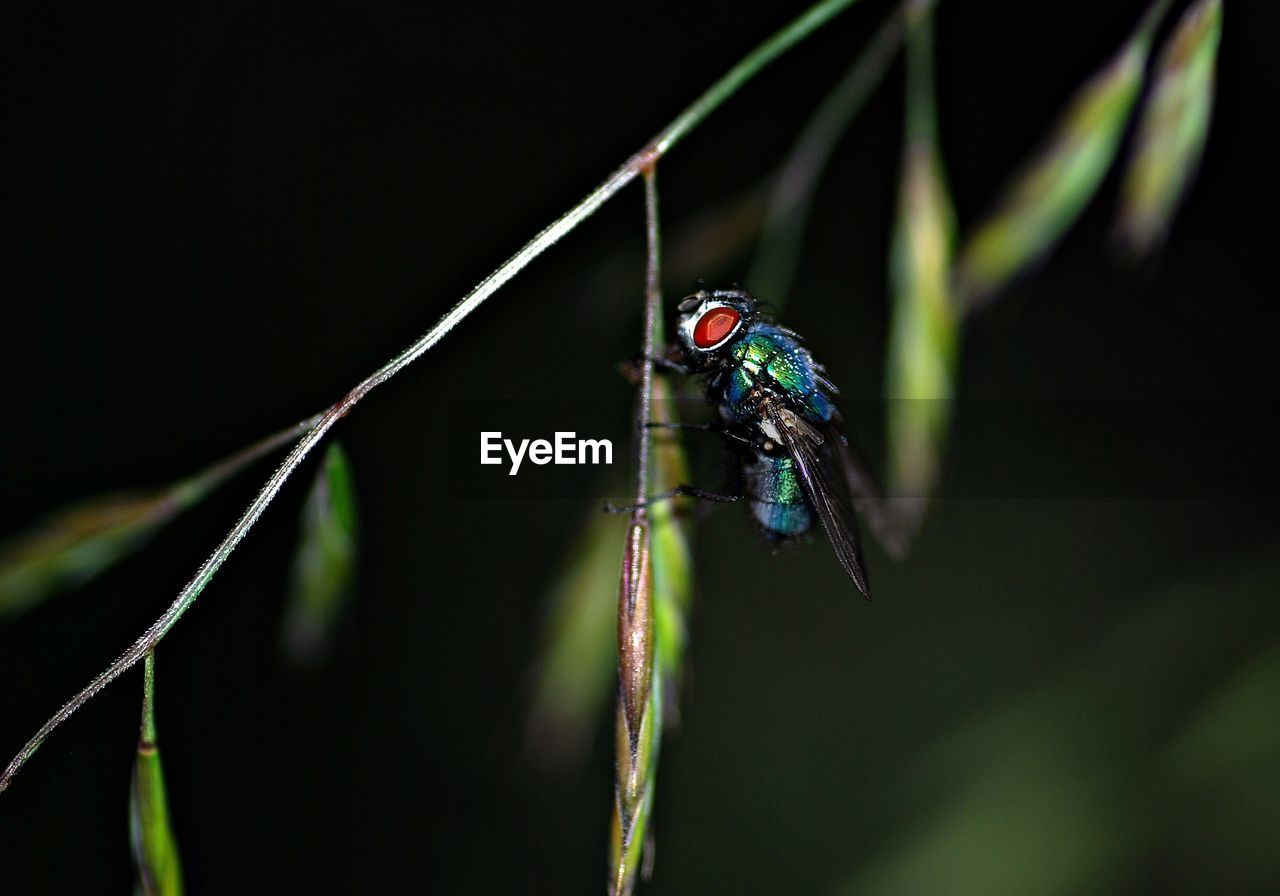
769, 358
772, 357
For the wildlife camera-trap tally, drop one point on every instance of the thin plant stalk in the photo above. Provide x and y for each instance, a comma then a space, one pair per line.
638, 724
652, 314
751, 65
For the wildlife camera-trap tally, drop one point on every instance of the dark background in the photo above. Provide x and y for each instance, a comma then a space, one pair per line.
222, 219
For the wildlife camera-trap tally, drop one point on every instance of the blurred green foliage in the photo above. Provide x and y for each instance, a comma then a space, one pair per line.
1049, 193
577, 657
1173, 128
324, 564
77, 543
924, 331
1159, 740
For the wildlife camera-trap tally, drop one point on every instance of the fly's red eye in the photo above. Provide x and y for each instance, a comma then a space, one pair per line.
714, 326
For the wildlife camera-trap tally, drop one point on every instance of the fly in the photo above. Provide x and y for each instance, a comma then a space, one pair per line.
777, 415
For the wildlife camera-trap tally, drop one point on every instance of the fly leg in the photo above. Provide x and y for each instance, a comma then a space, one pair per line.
732, 494
668, 364
630, 369
702, 427
680, 491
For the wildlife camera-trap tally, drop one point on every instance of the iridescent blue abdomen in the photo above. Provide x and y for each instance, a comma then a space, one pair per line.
776, 497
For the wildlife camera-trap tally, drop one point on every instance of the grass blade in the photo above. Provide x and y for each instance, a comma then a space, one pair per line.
324, 566
1051, 191
578, 656
639, 720
923, 333
155, 851
640, 681
79, 542
671, 531
1173, 129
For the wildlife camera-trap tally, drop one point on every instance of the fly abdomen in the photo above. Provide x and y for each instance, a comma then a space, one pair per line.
772, 486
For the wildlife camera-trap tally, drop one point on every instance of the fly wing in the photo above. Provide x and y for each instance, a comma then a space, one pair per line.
891, 520
802, 442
